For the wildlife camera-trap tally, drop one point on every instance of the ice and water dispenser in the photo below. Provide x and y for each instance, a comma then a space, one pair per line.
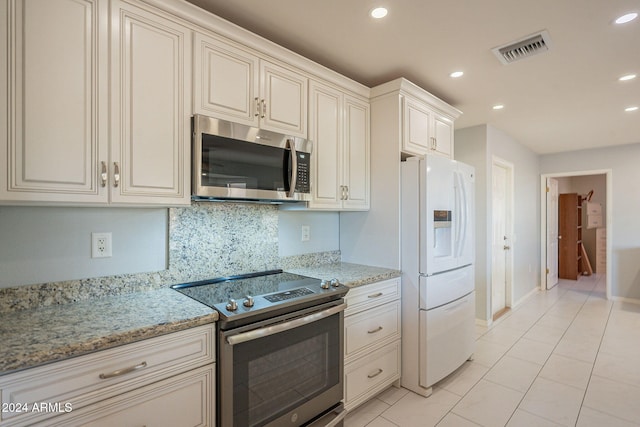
442, 246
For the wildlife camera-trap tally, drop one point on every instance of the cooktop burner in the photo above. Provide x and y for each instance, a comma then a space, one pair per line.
252, 297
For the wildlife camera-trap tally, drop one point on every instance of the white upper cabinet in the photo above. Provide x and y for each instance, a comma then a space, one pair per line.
151, 107
225, 81
417, 120
426, 130
339, 129
424, 122
64, 145
54, 100
234, 84
442, 135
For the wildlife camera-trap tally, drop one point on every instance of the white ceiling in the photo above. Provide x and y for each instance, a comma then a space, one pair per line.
566, 99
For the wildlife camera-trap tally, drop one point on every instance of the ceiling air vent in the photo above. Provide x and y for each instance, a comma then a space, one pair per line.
523, 48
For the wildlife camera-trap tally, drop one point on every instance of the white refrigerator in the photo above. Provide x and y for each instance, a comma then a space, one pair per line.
437, 255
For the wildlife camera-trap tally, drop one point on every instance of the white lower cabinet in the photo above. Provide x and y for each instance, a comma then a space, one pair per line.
166, 380
372, 341
185, 400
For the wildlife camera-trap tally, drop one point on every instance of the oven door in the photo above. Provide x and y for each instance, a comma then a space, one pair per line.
285, 371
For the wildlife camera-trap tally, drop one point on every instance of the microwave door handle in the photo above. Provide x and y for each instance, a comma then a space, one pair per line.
294, 167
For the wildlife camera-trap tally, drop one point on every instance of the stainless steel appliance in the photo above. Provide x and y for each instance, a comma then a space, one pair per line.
280, 348
232, 161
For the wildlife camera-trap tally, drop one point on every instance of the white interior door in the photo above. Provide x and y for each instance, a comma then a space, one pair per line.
501, 220
552, 232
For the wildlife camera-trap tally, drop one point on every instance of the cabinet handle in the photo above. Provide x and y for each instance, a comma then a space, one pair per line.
103, 174
264, 109
123, 371
379, 294
373, 331
257, 113
346, 196
378, 372
116, 174
434, 143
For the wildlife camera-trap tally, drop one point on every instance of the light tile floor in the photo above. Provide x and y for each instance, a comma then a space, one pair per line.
564, 357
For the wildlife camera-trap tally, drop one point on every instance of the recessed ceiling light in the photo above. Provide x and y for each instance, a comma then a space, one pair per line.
630, 109
626, 18
379, 12
456, 74
498, 107
627, 77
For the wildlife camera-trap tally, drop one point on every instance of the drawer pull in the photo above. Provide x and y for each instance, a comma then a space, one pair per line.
373, 331
379, 294
378, 372
123, 371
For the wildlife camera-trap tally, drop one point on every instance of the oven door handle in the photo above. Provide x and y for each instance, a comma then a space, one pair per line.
281, 327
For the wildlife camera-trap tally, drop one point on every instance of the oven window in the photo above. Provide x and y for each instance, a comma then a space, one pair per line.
277, 373
239, 164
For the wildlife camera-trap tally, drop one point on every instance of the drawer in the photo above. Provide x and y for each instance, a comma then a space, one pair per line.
367, 296
84, 380
184, 400
371, 327
371, 374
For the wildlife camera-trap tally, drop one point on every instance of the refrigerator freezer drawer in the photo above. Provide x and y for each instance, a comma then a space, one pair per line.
447, 339
443, 288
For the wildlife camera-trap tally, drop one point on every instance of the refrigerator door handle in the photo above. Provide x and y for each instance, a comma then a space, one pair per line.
458, 213
464, 214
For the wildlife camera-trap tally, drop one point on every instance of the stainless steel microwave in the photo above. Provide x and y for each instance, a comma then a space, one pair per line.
232, 161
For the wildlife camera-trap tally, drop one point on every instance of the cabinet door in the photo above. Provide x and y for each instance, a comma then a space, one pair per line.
226, 81
417, 118
54, 103
183, 400
326, 133
151, 87
283, 97
443, 136
356, 154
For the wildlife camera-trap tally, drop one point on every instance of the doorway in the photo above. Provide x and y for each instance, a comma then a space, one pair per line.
501, 236
599, 183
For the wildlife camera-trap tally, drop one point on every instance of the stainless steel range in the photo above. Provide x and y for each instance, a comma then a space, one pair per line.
280, 348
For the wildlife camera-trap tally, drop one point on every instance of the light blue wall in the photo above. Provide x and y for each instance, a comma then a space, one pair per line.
324, 235
53, 244
50, 244
624, 162
477, 146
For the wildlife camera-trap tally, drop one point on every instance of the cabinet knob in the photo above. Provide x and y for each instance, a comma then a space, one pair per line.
103, 174
116, 174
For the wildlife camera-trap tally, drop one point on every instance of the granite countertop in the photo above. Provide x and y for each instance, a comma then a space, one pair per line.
351, 275
41, 335
33, 337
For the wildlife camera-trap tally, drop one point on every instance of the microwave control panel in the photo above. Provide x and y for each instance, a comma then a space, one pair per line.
303, 179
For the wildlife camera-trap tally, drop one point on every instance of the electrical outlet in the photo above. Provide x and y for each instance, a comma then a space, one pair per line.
100, 245
306, 233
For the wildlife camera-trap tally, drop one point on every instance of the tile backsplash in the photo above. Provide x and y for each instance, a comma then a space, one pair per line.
206, 240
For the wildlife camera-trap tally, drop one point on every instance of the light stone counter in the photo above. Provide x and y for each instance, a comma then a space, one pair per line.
29, 338
351, 275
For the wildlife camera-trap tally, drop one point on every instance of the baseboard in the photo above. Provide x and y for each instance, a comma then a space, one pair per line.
624, 299
527, 296
484, 323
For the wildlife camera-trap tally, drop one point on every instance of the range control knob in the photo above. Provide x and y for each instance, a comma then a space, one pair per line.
248, 301
324, 284
232, 305
335, 283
